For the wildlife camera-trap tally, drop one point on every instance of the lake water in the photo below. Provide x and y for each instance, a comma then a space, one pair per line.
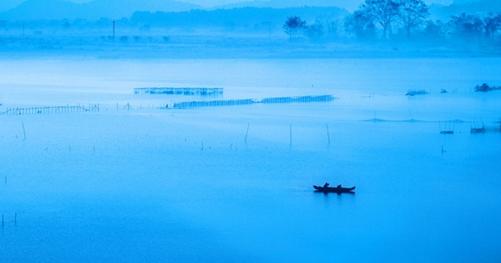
151, 185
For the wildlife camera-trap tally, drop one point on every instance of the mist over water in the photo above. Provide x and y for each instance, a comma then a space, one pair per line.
129, 186
164, 131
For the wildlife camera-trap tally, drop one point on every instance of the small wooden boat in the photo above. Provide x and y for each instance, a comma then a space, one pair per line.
412, 93
338, 190
478, 130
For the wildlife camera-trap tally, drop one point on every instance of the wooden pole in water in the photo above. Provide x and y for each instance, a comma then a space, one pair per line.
328, 135
247, 133
24, 131
290, 135
114, 25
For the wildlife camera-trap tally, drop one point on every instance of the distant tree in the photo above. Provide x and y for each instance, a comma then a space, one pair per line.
467, 26
382, 12
333, 29
413, 14
434, 29
492, 24
315, 31
294, 25
361, 25
66, 24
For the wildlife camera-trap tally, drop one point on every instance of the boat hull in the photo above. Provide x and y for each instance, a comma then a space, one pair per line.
337, 190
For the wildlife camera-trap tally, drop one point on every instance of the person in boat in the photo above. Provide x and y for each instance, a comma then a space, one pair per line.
326, 185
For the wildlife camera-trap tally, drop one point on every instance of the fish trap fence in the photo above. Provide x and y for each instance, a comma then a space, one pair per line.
50, 110
302, 99
276, 100
180, 91
215, 103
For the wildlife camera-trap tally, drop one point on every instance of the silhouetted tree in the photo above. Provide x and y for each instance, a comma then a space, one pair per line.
294, 25
66, 24
434, 29
315, 31
466, 25
333, 29
360, 24
382, 12
413, 14
492, 25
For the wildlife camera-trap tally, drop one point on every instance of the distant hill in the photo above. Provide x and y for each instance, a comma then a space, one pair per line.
238, 17
8, 4
62, 9
475, 7
291, 3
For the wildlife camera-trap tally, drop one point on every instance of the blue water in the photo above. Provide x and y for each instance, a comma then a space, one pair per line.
183, 186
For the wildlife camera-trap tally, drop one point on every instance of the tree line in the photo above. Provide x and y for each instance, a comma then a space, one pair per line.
403, 19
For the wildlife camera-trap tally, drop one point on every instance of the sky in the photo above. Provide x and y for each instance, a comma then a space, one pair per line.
348, 4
